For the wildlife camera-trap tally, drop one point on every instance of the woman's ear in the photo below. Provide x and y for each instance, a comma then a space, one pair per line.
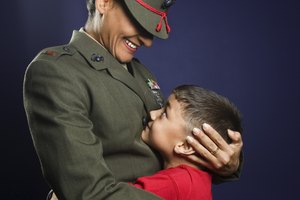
183, 148
103, 5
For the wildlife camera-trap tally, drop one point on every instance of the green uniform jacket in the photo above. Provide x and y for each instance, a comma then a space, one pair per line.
85, 113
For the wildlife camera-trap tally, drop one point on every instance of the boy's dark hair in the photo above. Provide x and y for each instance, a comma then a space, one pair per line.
204, 106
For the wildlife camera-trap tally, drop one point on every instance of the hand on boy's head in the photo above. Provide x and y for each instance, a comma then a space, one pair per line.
213, 152
235, 136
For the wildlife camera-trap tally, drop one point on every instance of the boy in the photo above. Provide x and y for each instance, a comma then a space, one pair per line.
188, 106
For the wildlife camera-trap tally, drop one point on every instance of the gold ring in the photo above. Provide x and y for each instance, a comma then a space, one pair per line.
215, 151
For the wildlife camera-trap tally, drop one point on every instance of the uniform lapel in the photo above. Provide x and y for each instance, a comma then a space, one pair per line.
121, 74
100, 59
149, 85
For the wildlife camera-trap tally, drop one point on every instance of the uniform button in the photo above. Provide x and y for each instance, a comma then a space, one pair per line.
145, 121
66, 49
97, 58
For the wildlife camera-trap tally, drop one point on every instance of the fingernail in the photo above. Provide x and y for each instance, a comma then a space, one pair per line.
190, 139
196, 131
206, 126
232, 133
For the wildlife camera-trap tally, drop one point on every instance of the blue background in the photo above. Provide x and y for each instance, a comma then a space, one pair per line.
246, 50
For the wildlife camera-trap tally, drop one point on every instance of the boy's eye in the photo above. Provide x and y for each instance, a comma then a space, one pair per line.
163, 114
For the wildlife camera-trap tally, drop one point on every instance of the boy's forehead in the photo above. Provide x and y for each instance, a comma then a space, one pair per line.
170, 99
175, 110
172, 103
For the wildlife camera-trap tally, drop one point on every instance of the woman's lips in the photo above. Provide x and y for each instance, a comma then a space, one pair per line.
131, 46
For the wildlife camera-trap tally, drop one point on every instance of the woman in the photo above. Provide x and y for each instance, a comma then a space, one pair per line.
87, 101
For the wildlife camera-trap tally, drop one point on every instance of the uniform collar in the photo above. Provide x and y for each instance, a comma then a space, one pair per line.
97, 56
83, 31
100, 59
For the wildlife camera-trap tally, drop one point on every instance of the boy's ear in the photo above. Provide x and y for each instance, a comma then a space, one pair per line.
183, 148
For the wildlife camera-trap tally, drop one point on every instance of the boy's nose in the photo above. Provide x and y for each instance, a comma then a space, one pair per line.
155, 113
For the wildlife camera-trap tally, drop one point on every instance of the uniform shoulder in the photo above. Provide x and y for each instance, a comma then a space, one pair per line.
56, 52
51, 58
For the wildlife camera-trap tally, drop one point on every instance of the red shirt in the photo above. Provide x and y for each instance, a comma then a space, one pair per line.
178, 183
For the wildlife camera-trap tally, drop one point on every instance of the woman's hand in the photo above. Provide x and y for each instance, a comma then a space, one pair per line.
213, 152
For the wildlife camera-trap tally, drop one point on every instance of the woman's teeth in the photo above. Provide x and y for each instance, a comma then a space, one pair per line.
130, 44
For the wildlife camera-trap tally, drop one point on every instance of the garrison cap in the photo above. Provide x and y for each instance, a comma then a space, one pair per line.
152, 15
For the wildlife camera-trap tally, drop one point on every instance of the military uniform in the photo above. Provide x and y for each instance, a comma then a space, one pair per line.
85, 113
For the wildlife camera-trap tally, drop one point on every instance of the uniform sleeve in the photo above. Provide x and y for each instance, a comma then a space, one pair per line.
70, 154
159, 184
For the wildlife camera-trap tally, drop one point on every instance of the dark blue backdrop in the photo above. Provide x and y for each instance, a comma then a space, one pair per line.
246, 50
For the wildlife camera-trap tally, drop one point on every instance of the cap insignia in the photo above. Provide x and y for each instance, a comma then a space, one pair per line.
167, 3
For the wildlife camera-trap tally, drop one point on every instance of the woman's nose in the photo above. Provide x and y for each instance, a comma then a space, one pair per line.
147, 41
146, 38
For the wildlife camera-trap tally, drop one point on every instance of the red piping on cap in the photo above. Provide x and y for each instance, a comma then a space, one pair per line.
162, 14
